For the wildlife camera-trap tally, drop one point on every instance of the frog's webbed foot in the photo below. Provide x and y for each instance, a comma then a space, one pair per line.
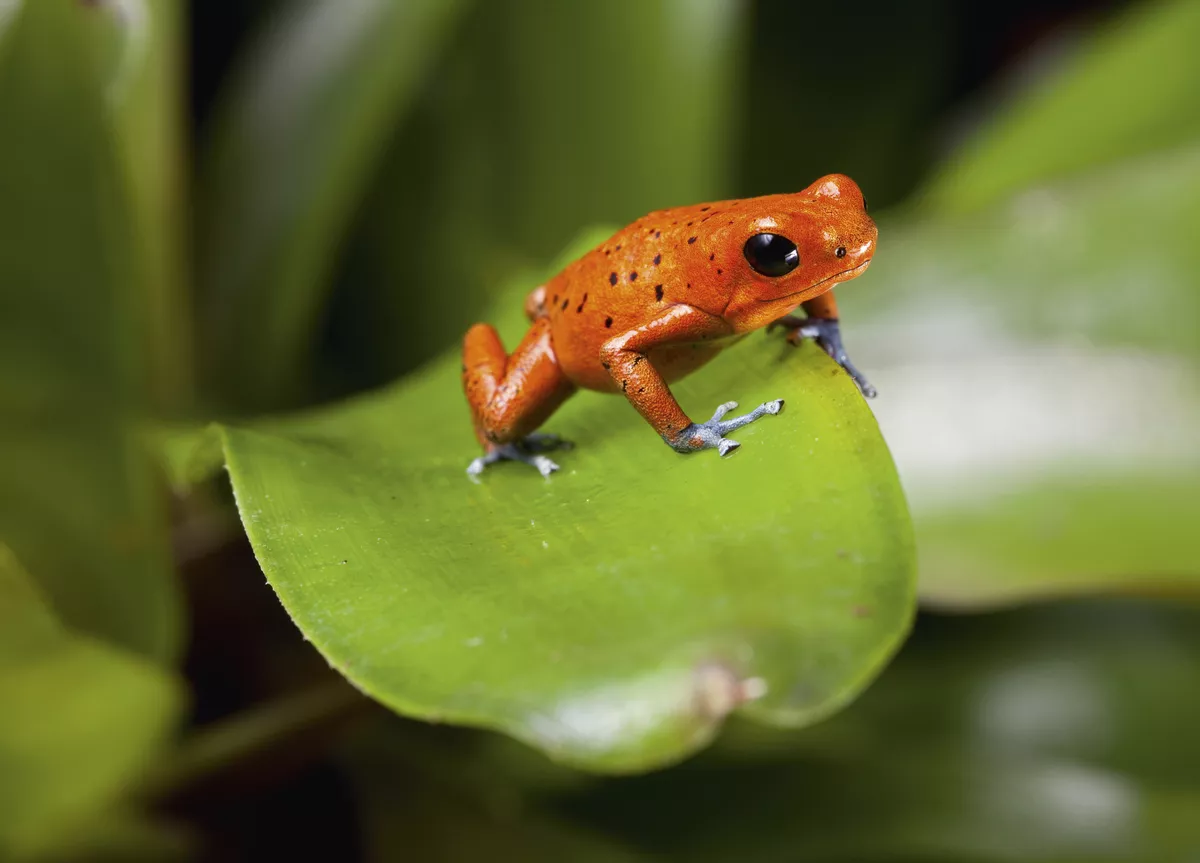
828, 335
529, 450
711, 434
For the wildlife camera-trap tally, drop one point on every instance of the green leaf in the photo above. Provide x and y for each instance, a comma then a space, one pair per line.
296, 137
1130, 91
1039, 374
77, 497
189, 455
1061, 733
80, 719
143, 93
611, 615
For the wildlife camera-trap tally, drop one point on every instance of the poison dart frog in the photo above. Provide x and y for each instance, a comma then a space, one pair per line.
660, 299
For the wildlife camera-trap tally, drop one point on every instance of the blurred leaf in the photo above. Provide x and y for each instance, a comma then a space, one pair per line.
299, 131
1060, 734
189, 454
1130, 91
1076, 539
80, 719
143, 93
287, 727
543, 118
8, 13
1039, 375
77, 499
877, 112
602, 616
121, 837
412, 811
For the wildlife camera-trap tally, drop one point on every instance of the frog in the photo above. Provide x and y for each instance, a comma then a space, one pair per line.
657, 301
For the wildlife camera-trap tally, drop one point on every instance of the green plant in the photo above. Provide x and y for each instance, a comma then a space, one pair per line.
377, 174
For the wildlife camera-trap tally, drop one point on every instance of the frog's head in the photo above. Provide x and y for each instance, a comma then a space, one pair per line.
785, 249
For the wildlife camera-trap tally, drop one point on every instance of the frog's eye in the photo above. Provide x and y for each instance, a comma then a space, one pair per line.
771, 254
840, 251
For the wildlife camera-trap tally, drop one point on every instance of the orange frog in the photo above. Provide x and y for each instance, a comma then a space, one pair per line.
660, 299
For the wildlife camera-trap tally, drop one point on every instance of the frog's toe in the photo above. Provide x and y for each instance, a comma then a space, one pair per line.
711, 435
724, 426
722, 410
526, 451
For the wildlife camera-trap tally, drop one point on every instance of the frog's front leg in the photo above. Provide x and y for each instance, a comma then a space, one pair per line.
511, 396
821, 325
624, 357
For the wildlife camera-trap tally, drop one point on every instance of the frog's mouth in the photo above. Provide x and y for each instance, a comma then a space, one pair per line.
843, 276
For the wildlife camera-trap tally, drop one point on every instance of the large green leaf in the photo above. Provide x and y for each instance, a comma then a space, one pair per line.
76, 496
610, 615
1039, 375
1058, 734
80, 720
297, 134
1131, 90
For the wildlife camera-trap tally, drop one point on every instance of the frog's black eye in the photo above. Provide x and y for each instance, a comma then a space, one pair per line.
771, 254
864, 203
840, 251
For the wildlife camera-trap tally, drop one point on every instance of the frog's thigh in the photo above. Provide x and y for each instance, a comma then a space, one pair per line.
513, 399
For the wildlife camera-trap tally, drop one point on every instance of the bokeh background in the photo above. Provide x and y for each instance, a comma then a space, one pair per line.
323, 196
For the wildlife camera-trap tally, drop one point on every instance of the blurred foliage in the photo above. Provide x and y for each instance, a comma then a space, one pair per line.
356, 183
1131, 91
78, 503
291, 153
1045, 416
80, 720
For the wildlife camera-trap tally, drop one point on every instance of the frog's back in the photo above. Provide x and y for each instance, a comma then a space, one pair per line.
624, 283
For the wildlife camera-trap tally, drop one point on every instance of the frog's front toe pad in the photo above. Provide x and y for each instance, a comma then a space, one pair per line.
527, 451
711, 435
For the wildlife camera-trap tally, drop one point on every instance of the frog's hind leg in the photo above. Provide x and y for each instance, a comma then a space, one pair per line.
511, 396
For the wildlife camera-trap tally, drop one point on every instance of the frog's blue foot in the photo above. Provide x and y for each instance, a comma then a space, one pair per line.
827, 333
711, 435
529, 450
